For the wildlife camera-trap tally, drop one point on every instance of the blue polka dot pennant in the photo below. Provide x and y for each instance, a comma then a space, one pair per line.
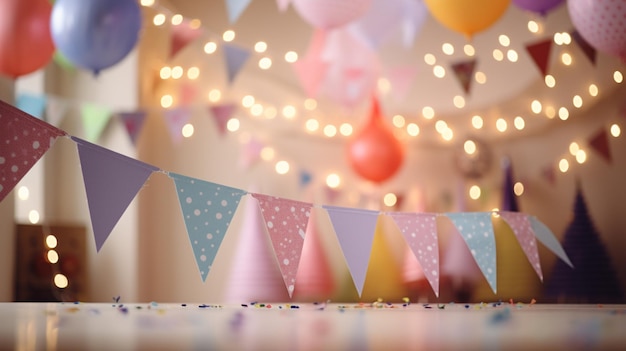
477, 231
207, 209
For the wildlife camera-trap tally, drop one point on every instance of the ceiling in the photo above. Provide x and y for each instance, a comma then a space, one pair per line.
509, 89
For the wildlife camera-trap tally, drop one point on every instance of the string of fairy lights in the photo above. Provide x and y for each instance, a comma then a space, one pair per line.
405, 128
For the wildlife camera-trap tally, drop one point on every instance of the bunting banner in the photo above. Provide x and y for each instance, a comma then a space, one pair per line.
207, 210
546, 237
187, 93
477, 231
420, 232
540, 53
415, 15
590, 52
250, 153
286, 222
523, 231
176, 119
311, 69
464, 73
133, 122
34, 105
236, 58
24, 139
304, 178
235, 8
112, 181
600, 143
401, 79
355, 231
95, 119
221, 114
181, 35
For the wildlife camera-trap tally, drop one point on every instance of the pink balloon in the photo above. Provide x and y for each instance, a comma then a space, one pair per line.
602, 23
328, 14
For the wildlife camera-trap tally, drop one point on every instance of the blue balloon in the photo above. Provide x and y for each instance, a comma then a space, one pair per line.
95, 34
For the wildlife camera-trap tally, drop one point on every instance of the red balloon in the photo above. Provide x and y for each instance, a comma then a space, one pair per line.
25, 41
375, 153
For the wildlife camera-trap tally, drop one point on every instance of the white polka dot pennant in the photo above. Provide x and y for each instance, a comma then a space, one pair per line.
207, 209
523, 231
477, 231
286, 222
420, 232
23, 141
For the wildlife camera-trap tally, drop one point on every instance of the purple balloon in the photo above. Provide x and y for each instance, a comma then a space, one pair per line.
95, 34
539, 6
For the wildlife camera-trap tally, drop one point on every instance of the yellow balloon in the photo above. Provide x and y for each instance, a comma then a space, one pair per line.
467, 16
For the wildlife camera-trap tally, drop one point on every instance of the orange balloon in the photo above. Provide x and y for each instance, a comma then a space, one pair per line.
25, 40
375, 153
467, 16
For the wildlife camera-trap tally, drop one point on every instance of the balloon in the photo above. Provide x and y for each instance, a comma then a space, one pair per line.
95, 34
24, 36
539, 6
602, 23
467, 17
375, 153
328, 14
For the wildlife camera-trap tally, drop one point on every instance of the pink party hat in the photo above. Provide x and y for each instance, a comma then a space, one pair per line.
314, 280
254, 275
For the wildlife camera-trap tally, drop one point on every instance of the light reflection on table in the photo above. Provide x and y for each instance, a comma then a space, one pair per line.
378, 326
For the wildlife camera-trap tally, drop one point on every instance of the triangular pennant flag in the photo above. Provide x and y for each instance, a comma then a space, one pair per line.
182, 35
477, 231
311, 69
62, 61
548, 174
283, 5
355, 231
187, 93
286, 222
32, 104
55, 111
377, 24
540, 53
207, 210
420, 232
235, 8
250, 152
235, 57
133, 122
176, 119
401, 80
545, 235
464, 72
586, 48
24, 140
305, 178
523, 231
95, 119
600, 143
415, 15
112, 181
221, 114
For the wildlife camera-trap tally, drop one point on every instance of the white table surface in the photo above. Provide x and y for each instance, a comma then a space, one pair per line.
370, 326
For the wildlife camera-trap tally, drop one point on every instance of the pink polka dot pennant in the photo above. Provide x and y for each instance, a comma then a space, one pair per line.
286, 222
420, 232
23, 141
521, 226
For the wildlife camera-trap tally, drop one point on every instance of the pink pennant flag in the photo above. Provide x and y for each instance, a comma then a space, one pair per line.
331, 194
540, 53
55, 111
547, 173
182, 35
236, 58
311, 69
24, 139
283, 5
420, 232
250, 153
112, 181
401, 79
221, 114
176, 119
235, 8
355, 230
600, 143
133, 122
286, 222
464, 72
187, 93
522, 228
